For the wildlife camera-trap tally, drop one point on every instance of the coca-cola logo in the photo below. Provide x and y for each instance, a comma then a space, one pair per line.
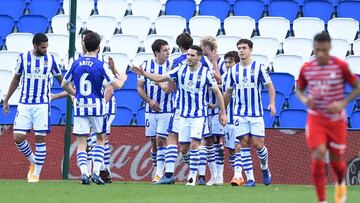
135, 159
353, 171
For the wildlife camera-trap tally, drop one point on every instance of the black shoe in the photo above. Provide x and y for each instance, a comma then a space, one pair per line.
96, 179
105, 176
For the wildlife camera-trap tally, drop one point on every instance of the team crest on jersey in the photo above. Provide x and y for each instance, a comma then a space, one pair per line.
199, 77
190, 83
245, 80
29, 63
45, 63
37, 70
252, 72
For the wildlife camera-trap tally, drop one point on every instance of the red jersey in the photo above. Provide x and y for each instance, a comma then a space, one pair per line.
326, 84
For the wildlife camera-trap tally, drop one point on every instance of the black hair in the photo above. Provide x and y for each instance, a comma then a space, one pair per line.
184, 40
39, 38
197, 49
245, 41
322, 37
92, 41
156, 46
234, 55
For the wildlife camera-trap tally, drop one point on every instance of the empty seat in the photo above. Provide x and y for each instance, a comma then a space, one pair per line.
32, 24
267, 25
148, 8
7, 25
298, 46
136, 25
308, 27
13, 8
268, 119
121, 60
217, 8
336, 27
288, 64
131, 81
86, 6
128, 98
204, 25
48, 8
8, 60
322, 9
10, 117
5, 77
55, 116
251, 8
19, 42
196, 39
279, 100
58, 43
185, 9
356, 47
141, 57
170, 25
353, 61
226, 43
60, 22
123, 116
150, 39
350, 108
140, 116
293, 118
115, 8
349, 9
265, 46
128, 44
295, 103
339, 48
283, 82
244, 28
104, 25
284, 8
261, 59
355, 119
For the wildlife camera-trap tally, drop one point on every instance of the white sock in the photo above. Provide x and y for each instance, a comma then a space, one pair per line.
160, 161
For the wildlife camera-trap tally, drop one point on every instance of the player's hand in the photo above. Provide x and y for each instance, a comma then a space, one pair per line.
137, 70
122, 77
309, 102
6, 107
154, 106
272, 109
111, 64
213, 56
336, 106
213, 106
223, 118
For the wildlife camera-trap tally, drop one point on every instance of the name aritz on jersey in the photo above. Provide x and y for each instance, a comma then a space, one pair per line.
86, 63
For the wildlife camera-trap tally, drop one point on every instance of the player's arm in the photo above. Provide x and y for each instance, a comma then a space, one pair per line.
220, 100
168, 87
13, 85
68, 87
227, 96
108, 93
151, 76
271, 92
153, 104
59, 95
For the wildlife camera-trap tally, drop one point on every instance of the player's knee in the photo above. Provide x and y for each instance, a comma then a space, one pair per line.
319, 153
209, 141
39, 139
18, 138
194, 144
172, 139
184, 148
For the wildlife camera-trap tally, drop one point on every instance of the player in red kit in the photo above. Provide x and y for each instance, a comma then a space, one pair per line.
325, 78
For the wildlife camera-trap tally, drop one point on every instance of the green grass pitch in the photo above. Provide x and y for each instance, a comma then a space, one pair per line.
129, 192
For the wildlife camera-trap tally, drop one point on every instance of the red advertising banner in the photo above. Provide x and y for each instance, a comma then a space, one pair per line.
289, 157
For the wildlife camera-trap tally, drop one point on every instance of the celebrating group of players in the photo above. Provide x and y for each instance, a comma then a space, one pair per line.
200, 102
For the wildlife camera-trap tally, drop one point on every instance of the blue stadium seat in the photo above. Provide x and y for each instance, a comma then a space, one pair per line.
56, 115
123, 116
284, 8
140, 116
252, 8
10, 117
295, 103
48, 8
279, 100
217, 8
131, 82
283, 82
349, 9
128, 98
59, 103
33, 24
1, 42
183, 8
13, 8
355, 119
268, 119
7, 25
292, 118
350, 108
322, 9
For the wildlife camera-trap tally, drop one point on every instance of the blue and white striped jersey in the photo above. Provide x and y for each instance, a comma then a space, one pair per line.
87, 74
247, 83
153, 90
179, 61
193, 87
211, 98
110, 107
35, 79
230, 107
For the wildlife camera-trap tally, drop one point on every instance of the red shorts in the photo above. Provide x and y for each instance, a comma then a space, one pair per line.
324, 131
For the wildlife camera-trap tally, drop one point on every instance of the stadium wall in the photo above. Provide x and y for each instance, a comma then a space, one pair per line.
130, 161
